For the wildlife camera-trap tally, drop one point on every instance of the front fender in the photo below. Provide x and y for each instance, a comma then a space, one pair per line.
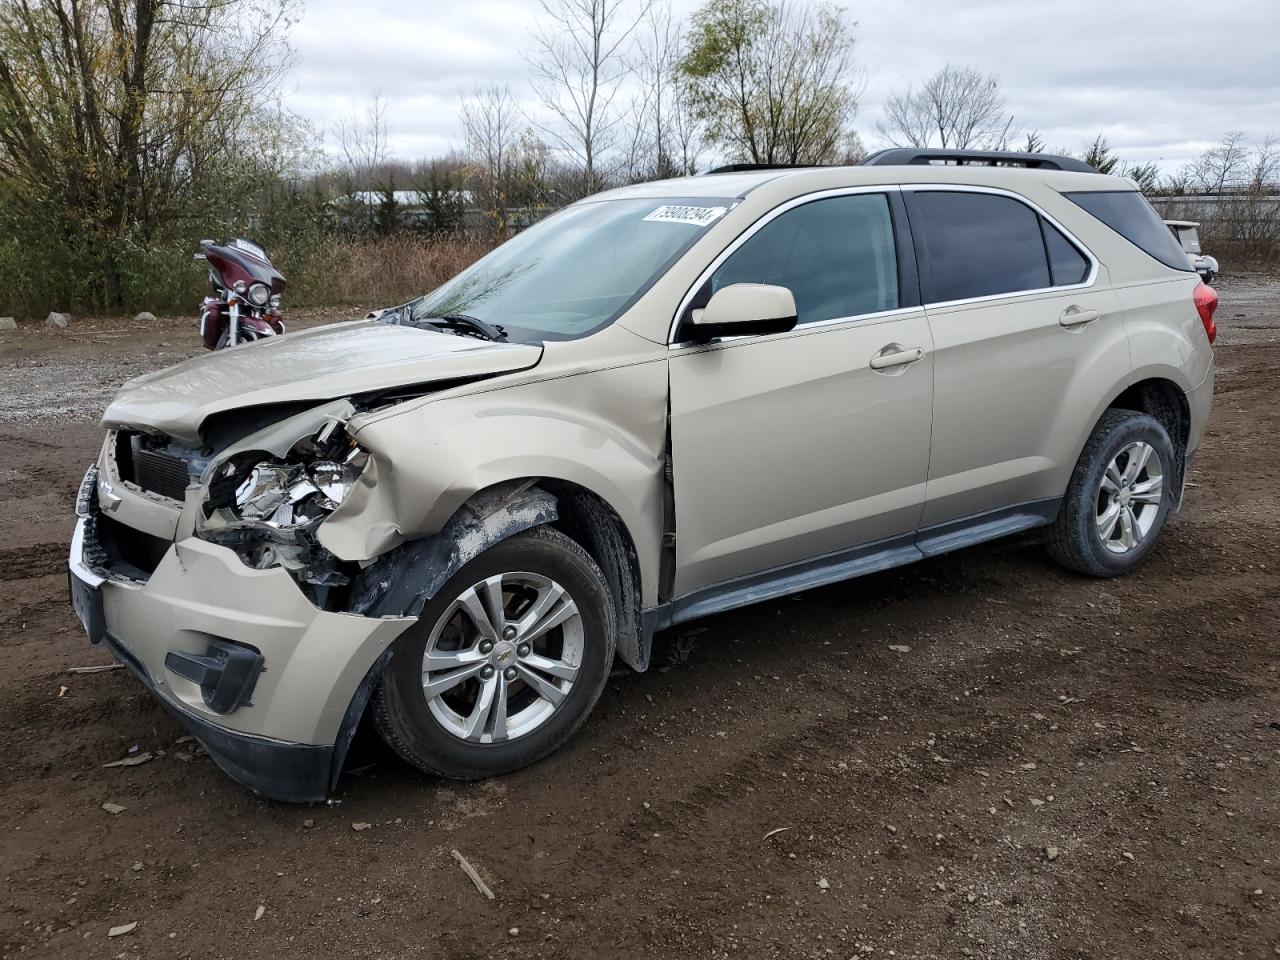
604, 431
405, 578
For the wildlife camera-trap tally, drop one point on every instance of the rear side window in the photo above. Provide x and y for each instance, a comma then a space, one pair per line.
836, 255
1128, 214
980, 244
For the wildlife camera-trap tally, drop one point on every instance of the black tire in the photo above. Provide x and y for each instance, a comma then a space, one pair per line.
1073, 540
400, 708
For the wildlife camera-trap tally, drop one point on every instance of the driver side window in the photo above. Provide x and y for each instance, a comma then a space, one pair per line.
835, 255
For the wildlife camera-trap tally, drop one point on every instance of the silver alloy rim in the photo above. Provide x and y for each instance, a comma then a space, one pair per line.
1129, 497
501, 660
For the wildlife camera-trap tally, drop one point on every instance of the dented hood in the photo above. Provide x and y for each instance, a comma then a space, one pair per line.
319, 364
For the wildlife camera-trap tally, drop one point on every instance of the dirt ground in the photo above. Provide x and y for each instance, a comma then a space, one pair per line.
1056, 767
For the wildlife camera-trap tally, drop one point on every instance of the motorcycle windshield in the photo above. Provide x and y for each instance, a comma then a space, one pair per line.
577, 271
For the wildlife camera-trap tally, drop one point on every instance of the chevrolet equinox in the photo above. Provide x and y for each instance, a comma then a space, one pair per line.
661, 402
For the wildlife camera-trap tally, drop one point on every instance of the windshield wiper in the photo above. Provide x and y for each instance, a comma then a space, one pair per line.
472, 325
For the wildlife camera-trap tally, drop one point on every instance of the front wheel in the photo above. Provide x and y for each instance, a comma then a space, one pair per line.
505, 662
1119, 497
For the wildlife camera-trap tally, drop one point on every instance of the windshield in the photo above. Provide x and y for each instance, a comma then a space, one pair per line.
576, 271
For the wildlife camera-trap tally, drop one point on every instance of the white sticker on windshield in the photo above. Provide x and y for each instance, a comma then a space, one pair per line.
696, 216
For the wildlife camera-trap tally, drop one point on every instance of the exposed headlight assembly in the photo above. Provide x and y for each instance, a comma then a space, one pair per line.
267, 507
288, 494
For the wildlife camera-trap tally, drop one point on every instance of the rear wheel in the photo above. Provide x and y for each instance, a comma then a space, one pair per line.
1119, 497
505, 662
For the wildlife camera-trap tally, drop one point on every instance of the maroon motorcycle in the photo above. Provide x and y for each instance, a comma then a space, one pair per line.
245, 305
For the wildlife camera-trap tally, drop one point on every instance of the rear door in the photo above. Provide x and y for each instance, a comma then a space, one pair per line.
1026, 330
793, 446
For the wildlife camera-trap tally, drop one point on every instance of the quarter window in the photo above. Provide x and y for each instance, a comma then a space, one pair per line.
835, 255
1128, 213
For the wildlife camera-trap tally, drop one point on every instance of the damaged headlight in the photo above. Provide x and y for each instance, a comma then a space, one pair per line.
267, 507
285, 495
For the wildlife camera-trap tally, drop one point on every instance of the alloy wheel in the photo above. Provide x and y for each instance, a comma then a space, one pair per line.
502, 657
1129, 497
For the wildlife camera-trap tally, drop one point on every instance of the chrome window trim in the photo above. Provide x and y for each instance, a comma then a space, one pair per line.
794, 202
1084, 284
747, 234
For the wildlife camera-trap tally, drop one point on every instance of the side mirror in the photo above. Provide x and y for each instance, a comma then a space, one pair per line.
743, 309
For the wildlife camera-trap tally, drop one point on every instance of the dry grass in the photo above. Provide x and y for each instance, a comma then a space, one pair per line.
383, 271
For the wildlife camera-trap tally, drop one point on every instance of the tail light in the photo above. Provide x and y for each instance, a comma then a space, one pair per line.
1206, 301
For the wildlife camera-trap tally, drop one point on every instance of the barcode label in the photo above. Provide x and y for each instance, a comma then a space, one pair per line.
695, 216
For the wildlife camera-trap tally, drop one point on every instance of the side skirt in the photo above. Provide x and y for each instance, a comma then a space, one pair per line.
847, 564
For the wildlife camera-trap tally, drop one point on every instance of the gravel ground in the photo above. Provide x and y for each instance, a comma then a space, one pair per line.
976, 756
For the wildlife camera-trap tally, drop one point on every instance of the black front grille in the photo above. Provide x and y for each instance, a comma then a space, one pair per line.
159, 472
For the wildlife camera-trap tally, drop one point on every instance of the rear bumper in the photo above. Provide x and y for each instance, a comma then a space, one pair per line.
287, 735
1200, 401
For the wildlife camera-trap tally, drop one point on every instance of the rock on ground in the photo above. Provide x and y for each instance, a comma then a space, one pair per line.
59, 320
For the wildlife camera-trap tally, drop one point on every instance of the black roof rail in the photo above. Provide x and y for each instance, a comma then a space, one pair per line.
746, 167
905, 156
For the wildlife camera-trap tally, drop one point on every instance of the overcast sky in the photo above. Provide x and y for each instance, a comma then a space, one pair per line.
1162, 80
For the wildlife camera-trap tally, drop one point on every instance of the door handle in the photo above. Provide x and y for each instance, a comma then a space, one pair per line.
1073, 318
898, 358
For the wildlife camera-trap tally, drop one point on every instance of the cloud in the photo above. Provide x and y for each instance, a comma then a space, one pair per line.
1162, 80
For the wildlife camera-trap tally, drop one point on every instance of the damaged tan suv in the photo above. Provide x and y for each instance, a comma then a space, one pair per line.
664, 401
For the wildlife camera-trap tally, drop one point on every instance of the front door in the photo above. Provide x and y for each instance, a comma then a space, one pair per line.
798, 445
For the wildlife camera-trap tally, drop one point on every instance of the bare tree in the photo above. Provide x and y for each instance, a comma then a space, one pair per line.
578, 66
687, 145
958, 107
1234, 165
655, 105
1264, 166
1223, 166
1243, 181
490, 125
362, 140
772, 82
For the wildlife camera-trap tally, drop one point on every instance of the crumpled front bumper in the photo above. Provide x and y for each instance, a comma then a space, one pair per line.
288, 737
